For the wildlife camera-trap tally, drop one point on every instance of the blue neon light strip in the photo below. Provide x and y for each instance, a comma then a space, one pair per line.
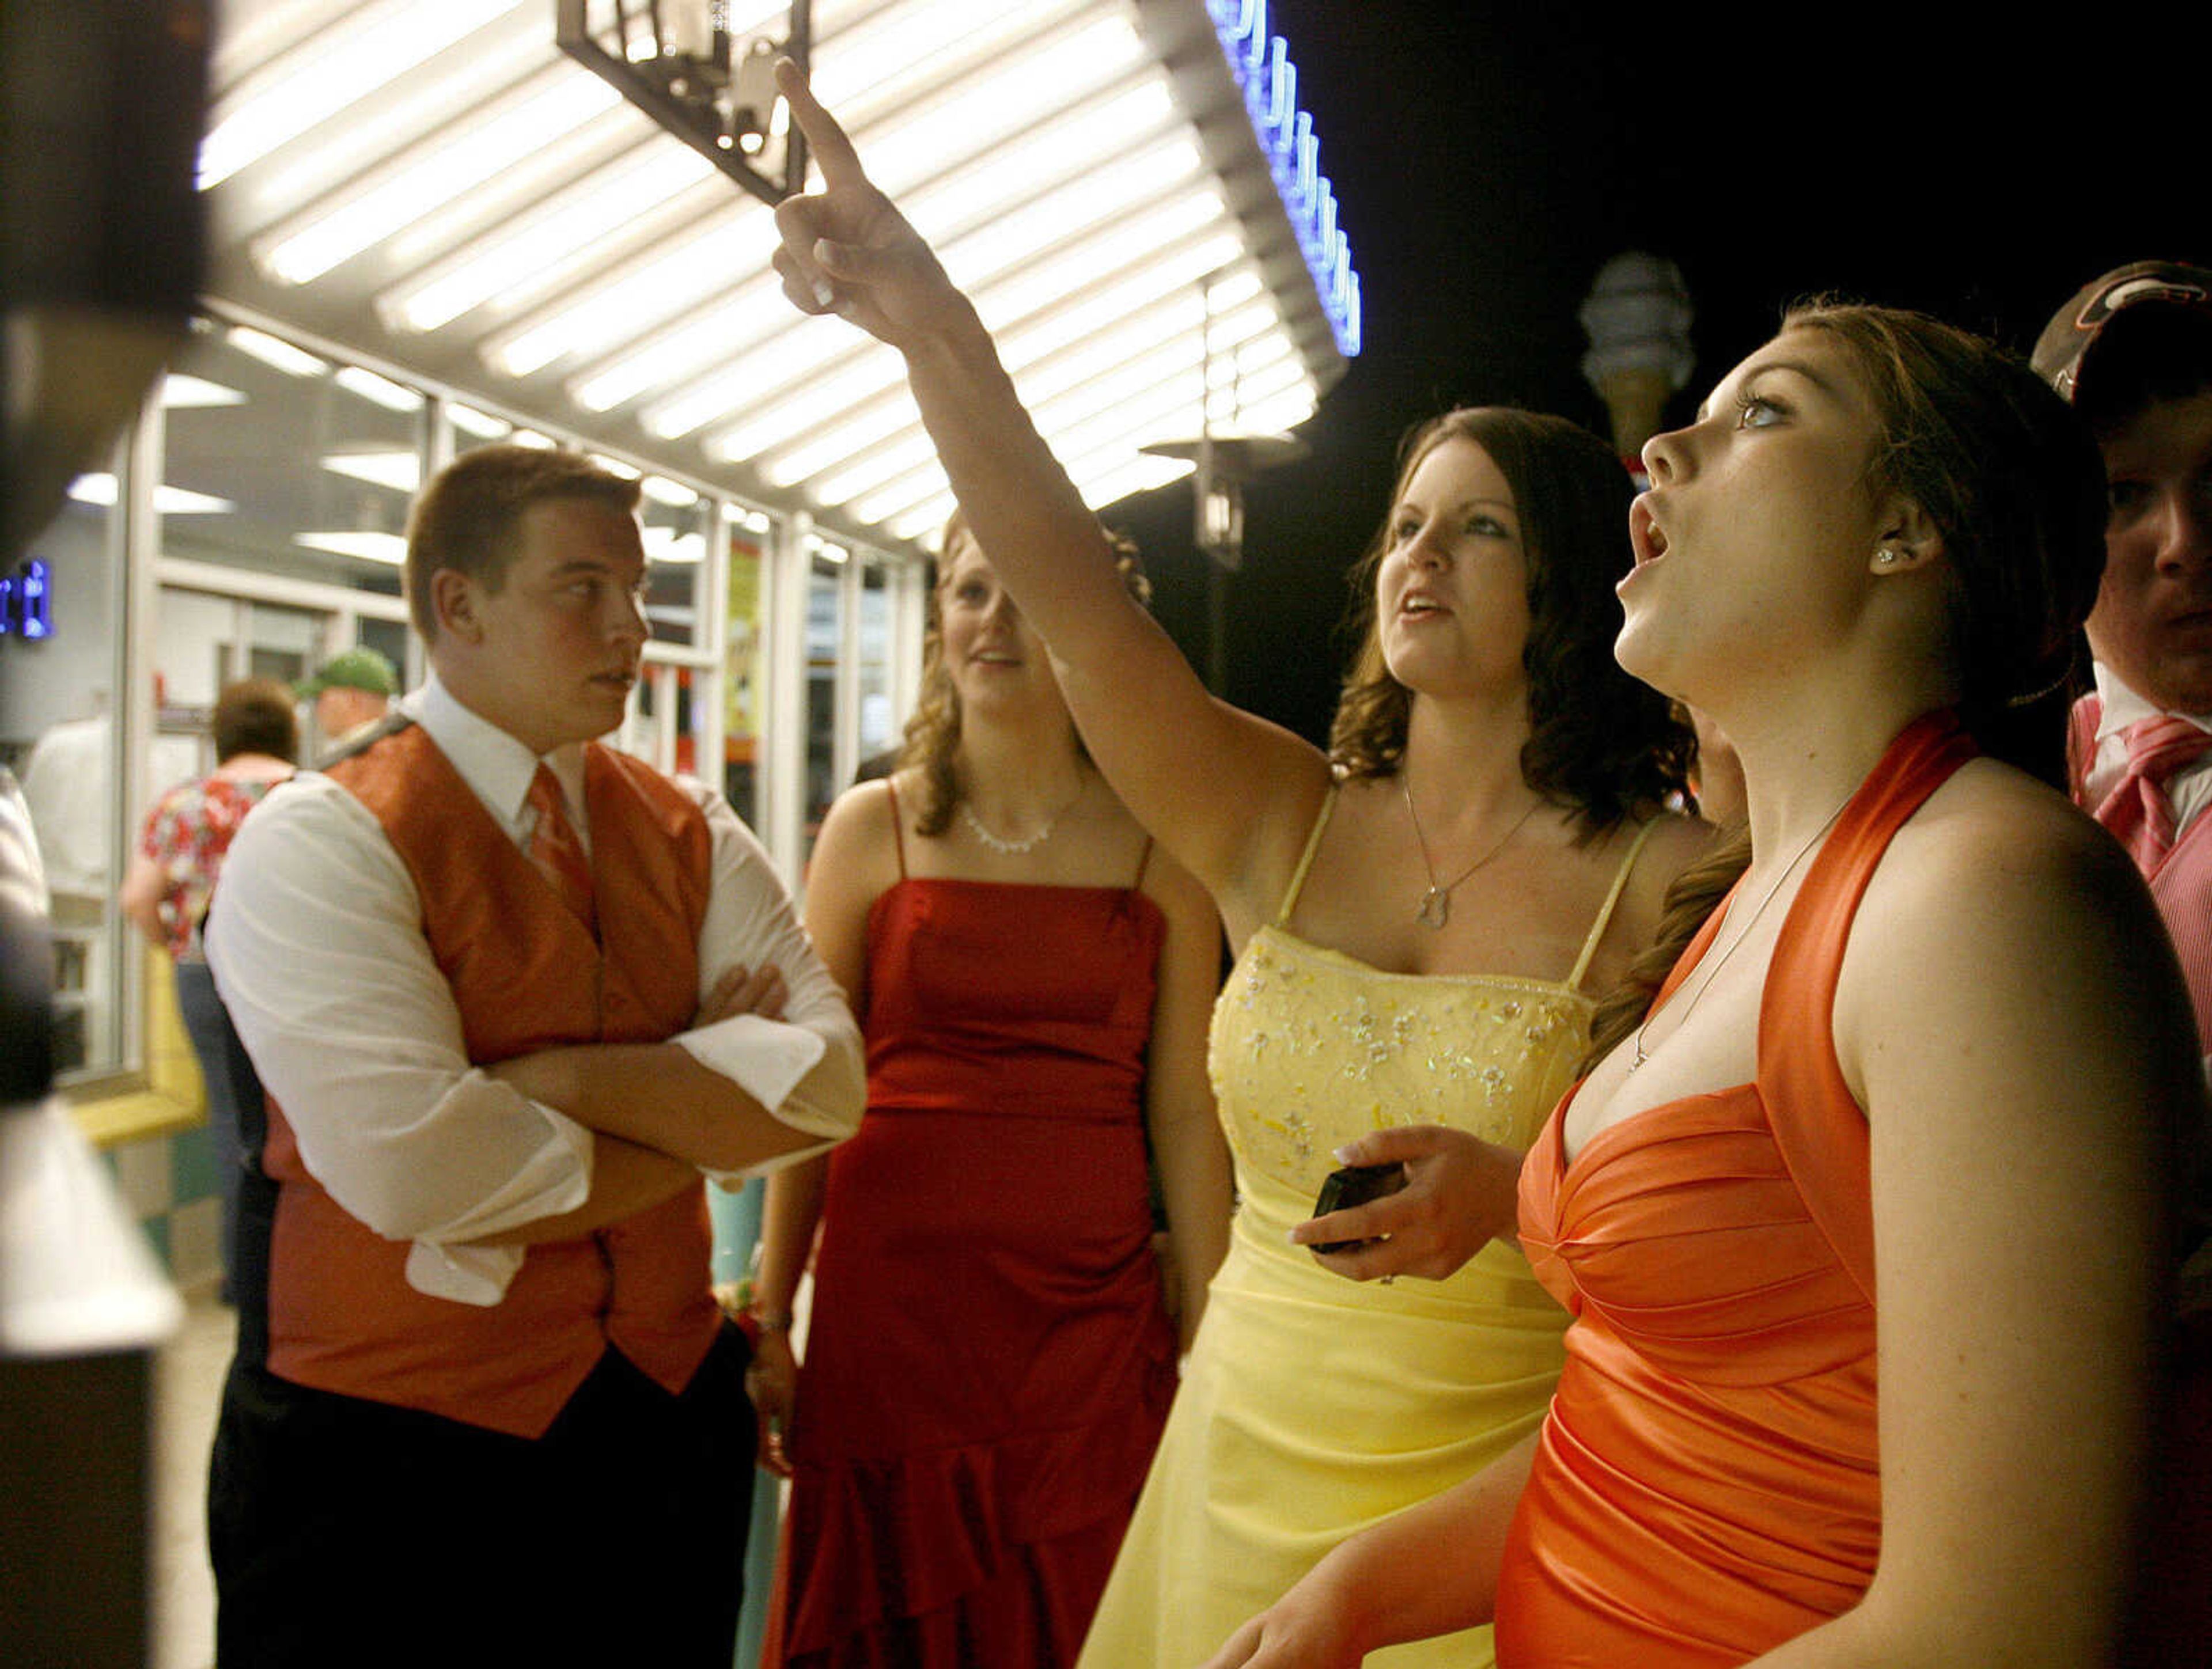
1261, 65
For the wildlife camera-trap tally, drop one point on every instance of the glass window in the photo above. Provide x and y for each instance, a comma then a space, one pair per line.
280, 462
674, 519
60, 693
825, 631
745, 665
877, 735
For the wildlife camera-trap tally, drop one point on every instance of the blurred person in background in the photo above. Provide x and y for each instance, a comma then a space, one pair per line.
171, 879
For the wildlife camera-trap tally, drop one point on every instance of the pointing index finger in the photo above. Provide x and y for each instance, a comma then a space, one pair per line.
841, 163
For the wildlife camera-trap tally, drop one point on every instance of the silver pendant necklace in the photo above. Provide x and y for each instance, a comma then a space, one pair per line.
1029, 843
1750, 922
1435, 907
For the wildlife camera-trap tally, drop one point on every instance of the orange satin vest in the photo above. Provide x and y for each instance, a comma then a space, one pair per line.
526, 975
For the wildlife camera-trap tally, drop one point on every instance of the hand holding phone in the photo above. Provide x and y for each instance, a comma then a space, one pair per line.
1354, 1185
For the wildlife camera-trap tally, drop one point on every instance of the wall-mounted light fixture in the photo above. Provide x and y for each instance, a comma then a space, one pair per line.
697, 67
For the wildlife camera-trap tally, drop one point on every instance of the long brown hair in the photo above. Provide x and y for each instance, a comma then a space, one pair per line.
2013, 482
1601, 741
932, 744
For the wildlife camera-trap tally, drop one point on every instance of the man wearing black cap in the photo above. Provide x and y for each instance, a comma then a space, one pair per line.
2133, 352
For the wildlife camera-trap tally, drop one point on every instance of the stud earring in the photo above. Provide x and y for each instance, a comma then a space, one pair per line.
1887, 557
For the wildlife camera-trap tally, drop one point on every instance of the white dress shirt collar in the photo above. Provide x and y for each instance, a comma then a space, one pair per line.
497, 766
2122, 706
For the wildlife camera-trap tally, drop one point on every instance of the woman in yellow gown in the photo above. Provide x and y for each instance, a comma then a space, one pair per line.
1417, 914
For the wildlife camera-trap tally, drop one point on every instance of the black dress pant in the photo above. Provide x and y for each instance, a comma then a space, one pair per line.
348, 1532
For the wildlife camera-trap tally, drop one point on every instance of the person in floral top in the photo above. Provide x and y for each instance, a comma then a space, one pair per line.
173, 875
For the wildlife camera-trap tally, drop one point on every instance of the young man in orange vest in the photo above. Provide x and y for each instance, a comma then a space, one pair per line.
2133, 352
509, 994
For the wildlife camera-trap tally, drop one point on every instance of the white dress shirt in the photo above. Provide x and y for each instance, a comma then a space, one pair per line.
2189, 789
318, 949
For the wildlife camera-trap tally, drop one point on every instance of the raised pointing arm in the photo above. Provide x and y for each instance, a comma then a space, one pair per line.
1228, 793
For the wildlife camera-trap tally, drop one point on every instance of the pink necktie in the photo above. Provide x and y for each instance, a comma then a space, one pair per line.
556, 851
2138, 811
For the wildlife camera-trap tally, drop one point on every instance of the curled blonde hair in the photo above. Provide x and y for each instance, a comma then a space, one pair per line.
933, 732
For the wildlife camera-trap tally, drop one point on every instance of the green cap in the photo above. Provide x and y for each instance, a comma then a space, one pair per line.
355, 669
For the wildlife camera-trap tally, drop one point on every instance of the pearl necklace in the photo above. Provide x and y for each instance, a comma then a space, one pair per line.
1435, 907
1750, 922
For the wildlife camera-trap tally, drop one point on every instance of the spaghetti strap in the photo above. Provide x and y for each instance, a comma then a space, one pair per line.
898, 829
1605, 910
1305, 859
1143, 859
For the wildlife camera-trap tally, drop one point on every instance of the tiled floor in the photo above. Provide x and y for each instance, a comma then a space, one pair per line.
188, 1385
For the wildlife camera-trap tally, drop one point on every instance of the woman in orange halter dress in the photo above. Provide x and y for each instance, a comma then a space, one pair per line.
1860, 1221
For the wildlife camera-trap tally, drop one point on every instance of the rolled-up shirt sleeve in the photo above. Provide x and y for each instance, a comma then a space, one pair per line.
808, 1068
317, 946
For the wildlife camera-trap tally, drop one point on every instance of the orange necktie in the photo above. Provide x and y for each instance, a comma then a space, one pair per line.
2138, 811
557, 852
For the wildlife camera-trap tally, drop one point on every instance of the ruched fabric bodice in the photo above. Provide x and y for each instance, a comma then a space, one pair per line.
1708, 1483
980, 996
1311, 1406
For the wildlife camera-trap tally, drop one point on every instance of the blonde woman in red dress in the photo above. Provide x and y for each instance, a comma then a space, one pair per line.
991, 1352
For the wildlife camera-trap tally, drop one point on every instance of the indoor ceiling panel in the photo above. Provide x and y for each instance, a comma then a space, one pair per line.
434, 187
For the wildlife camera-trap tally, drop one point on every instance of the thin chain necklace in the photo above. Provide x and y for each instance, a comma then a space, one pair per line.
1017, 848
1750, 922
1435, 907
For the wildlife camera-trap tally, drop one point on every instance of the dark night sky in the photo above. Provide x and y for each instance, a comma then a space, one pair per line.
1489, 158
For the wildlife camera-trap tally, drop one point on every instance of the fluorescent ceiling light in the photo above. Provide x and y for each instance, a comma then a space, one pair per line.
676, 282
1047, 156
1162, 274
561, 103
925, 517
668, 544
1138, 474
877, 467
886, 438
341, 65
98, 488
745, 316
903, 494
388, 549
275, 353
503, 267
381, 391
674, 493
807, 348
1086, 204
402, 472
482, 424
640, 297
183, 392
812, 403
900, 45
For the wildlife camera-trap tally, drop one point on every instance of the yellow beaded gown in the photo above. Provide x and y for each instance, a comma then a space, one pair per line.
1312, 1406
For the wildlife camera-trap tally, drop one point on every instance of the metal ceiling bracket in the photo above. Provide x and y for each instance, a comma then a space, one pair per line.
675, 61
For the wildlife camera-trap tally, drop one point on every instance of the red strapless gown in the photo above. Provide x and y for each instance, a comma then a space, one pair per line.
1708, 1483
990, 1362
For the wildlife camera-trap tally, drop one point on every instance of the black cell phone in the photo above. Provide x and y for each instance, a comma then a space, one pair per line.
1354, 1185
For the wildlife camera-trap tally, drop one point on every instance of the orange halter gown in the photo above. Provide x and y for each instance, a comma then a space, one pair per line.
1708, 1483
